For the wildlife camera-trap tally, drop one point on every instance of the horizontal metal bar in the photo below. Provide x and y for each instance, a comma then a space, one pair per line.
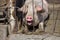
2, 19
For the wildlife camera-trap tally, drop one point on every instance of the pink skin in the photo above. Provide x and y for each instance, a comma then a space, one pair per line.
38, 8
29, 19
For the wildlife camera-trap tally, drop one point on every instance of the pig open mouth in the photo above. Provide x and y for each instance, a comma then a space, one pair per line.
29, 22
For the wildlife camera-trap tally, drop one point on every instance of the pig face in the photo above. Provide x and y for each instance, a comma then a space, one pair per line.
34, 13
29, 15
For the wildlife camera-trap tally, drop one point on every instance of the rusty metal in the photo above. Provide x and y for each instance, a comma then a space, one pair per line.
53, 17
33, 14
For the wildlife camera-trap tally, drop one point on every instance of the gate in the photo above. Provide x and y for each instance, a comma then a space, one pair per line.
53, 24
54, 20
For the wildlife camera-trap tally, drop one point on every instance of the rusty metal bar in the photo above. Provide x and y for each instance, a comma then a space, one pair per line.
33, 15
55, 22
22, 24
53, 17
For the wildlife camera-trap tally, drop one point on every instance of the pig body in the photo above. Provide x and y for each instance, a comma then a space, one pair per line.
34, 17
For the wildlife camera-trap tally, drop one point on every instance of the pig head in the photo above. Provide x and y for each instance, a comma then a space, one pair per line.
35, 14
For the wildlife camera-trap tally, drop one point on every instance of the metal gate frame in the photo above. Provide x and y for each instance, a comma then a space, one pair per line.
42, 6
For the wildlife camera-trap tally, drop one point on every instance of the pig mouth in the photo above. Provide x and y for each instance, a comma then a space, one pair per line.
29, 22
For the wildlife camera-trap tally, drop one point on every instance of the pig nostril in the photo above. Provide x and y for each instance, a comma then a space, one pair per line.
27, 17
30, 18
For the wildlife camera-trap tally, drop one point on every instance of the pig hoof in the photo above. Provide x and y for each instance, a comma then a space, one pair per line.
42, 30
37, 31
25, 31
29, 33
20, 31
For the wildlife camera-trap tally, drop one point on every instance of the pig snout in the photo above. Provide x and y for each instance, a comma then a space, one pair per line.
29, 18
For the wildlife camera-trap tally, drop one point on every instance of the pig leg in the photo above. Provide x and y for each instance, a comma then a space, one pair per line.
26, 29
19, 27
41, 26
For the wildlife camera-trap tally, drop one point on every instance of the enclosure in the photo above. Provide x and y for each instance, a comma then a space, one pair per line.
52, 25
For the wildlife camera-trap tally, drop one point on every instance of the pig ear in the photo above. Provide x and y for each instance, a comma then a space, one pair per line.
39, 8
25, 9
41, 11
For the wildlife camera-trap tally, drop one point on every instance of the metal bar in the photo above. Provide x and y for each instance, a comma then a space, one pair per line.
22, 24
42, 3
33, 15
53, 16
2, 19
55, 22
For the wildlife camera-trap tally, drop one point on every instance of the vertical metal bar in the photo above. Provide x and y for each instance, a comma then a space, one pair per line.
42, 3
55, 20
53, 16
22, 24
33, 15
16, 19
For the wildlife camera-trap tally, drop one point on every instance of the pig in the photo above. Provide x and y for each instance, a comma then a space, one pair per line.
35, 12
